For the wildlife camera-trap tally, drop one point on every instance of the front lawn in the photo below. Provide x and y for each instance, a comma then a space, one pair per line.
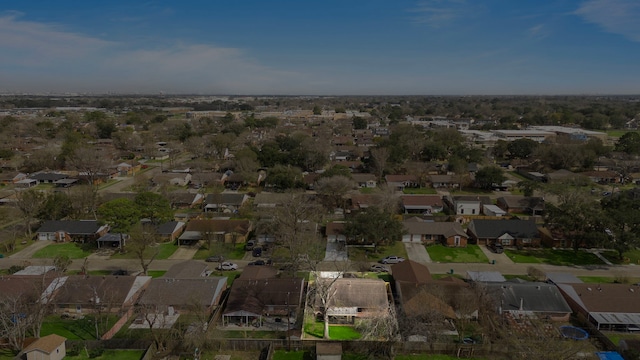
336, 332
468, 254
229, 251
72, 250
80, 329
630, 257
553, 257
164, 251
428, 357
376, 253
292, 355
156, 273
419, 191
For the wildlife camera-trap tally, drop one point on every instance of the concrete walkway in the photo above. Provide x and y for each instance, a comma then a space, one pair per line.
27, 253
417, 252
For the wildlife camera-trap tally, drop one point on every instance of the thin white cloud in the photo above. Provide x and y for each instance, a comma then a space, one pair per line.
439, 13
614, 16
61, 60
539, 31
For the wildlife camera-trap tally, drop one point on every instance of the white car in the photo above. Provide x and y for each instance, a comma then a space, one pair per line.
378, 268
227, 266
392, 260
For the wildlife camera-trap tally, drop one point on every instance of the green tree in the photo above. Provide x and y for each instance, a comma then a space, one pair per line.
488, 176
282, 177
337, 170
359, 123
522, 148
121, 214
374, 225
629, 143
623, 214
317, 110
56, 206
153, 206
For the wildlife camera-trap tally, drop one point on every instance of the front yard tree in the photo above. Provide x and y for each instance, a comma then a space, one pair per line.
522, 148
121, 215
374, 225
143, 243
488, 176
29, 203
622, 211
333, 190
154, 207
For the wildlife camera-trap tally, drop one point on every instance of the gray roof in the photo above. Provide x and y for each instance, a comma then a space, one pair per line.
529, 296
169, 227
70, 226
493, 229
433, 228
486, 276
174, 292
563, 278
186, 270
226, 199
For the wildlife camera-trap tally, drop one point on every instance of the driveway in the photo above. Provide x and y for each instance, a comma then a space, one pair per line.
27, 253
417, 252
502, 259
336, 252
185, 252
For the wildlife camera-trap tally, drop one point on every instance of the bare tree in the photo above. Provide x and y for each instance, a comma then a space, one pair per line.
142, 243
333, 189
380, 157
91, 164
29, 203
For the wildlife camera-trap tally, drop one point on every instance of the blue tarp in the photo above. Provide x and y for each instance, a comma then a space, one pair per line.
609, 355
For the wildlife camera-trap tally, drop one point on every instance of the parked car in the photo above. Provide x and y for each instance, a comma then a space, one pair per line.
496, 248
392, 260
378, 268
256, 252
227, 266
257, 263
250, 245
214, 258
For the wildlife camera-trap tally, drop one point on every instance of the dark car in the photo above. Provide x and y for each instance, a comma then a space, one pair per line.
120, 272
496, 248
215, 258
256, 252
257, 263
250, 245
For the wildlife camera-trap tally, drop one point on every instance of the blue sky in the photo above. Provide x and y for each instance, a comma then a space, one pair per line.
331, 47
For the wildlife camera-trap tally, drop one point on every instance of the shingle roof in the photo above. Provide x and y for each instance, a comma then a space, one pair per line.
226, 199
446, 229
533, 296
169, 227
492, 229
411, 271
80, 289
203, 291
357, 292
225, 226
186, 270
613, 298
424, 200
70, 226
46, 344
255, 296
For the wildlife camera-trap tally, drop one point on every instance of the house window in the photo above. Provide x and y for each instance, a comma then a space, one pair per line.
506, 242
461, 210
526, 241
473, 211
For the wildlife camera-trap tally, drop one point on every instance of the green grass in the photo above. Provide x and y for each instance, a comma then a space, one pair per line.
231, 275
110, 354
156, 273
336, 332
6, 354
553, 257
291, 355
428, 357
229, 251
420, 191
251, 334
633, 257
469, 254
608, 280
367, 190
72, 250
377, 253
81, 329
618, 133
164, 251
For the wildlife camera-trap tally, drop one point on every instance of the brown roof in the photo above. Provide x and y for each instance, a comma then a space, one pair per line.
361, 201
224, 226
411, 271
424, 200
258, 272
46, 344
335, 228
440, 296
80, 289
401, 178
618, 298
186, 270
204, 291
255, 296
27, 287
357, 292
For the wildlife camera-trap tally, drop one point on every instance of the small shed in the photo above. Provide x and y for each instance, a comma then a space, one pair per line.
50, 347
328, 351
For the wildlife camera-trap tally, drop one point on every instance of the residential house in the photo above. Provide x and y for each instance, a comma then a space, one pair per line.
225, 202
521, 204
184, 288
71, 230
112, 240
422, 204
233, 180
613, 307
11, 177
171, 230
400, 182
467, 204
226, 230
505, 232
49, 347
185, 200
80, 294
445, 181
429, 232
365, 180
169, 178
355, 298
47, 178
128, 169
203, 179
258, 297
361, 202
603, 177
538, 299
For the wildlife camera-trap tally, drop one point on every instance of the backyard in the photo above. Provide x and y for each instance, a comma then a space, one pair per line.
336, 332
553, 257
108, 354
80, 329
468, 254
